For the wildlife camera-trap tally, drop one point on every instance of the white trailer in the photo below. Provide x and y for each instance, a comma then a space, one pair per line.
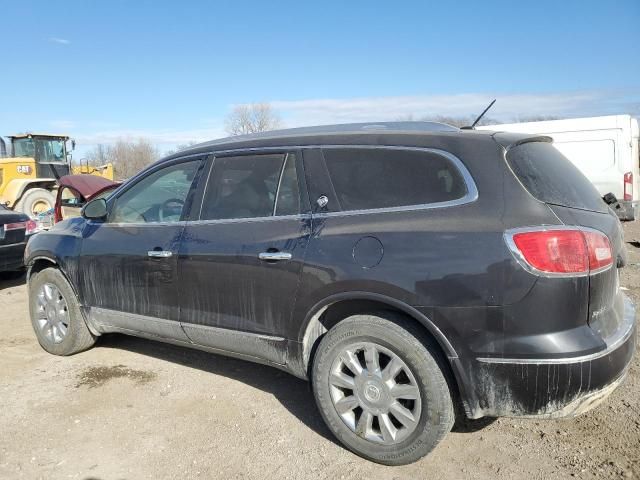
605, 149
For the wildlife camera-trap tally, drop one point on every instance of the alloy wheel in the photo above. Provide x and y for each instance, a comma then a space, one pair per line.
375, 393
52, 313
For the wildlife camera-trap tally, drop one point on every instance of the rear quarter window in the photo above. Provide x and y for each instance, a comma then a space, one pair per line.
551, 178
384, 178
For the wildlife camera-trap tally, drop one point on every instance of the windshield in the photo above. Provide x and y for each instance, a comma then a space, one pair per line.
44, 150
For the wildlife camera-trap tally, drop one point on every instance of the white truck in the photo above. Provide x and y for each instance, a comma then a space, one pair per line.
605, 149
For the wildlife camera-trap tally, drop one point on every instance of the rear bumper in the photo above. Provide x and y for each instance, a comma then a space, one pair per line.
12, 257
555, 387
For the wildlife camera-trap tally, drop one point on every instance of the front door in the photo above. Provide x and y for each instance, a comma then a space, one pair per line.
240, 262
128, 265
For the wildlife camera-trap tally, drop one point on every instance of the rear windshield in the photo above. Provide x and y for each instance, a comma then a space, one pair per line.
552, 178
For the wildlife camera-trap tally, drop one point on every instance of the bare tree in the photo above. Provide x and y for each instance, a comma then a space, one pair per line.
127, 156
534, 118
97, 156
252, 118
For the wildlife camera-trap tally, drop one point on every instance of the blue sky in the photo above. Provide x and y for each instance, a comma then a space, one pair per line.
171, 71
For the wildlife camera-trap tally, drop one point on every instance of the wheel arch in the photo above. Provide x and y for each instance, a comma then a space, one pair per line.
40, 262
331, 310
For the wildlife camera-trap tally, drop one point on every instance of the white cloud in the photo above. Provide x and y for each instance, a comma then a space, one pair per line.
158, 137
296, 113
508, 106
59, 41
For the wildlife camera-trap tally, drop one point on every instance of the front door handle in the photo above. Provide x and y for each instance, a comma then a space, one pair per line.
274, 256
159, 253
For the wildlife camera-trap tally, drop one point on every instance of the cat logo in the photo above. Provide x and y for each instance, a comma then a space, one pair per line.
24, 169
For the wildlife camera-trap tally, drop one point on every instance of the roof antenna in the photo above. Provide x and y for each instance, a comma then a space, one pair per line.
480, 116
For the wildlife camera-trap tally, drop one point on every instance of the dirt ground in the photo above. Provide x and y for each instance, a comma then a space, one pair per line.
134, 409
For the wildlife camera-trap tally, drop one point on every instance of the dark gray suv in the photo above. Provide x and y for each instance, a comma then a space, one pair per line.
410, 271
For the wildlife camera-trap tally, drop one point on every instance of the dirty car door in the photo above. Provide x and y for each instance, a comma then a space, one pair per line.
128, 266
240, 262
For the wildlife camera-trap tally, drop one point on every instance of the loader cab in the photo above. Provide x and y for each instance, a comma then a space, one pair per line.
49, 152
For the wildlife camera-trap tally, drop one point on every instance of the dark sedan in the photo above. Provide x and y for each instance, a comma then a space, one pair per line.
15, 230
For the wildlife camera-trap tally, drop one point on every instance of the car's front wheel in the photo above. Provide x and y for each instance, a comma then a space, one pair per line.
380, 389
55, 314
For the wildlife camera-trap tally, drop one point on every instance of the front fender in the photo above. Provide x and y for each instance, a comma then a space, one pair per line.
61, 246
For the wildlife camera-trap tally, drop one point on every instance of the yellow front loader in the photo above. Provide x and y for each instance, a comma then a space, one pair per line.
30, 169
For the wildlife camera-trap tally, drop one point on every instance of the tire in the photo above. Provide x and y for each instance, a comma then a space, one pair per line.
49, 294
395, 342
38, 198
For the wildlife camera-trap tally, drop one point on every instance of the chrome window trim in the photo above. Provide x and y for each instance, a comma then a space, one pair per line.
271, 218
517, 254
137, 224
469, 197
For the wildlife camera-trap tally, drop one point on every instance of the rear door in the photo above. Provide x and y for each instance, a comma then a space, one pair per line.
240, 262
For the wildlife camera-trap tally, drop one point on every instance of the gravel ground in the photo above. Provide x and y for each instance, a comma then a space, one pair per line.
134, 409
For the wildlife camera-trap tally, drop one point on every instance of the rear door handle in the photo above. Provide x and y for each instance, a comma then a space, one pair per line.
274, 256
159, 253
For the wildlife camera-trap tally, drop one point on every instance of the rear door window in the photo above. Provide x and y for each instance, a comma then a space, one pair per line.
370, 178
551, 178
252, 186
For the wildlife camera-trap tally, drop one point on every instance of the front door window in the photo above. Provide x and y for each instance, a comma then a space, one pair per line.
159, 197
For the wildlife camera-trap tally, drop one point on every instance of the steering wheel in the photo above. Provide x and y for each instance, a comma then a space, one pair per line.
167, 204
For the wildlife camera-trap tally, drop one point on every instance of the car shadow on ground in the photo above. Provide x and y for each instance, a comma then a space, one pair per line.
12, 279
294, 394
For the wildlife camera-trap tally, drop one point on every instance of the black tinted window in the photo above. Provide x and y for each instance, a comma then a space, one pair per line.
380, 178
242, 187
552, 178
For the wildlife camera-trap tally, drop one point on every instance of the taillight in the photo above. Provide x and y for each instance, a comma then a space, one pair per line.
31, 227
561, 251
15, 226
628, 186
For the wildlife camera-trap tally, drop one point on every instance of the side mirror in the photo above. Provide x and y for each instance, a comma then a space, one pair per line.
95, 209
73, 144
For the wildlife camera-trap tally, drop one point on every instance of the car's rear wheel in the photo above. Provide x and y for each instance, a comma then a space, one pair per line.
381, 390
55, 314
